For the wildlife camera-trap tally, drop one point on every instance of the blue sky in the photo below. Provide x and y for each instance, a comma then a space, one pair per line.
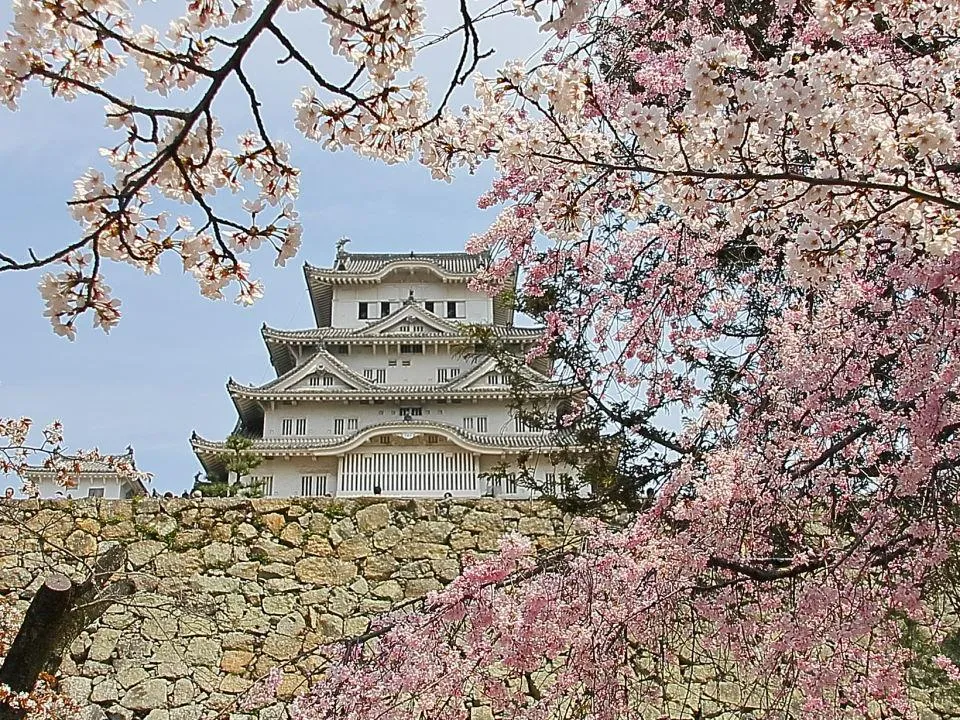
161, 373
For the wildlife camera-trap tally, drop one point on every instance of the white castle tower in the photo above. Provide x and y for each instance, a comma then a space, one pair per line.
380, 397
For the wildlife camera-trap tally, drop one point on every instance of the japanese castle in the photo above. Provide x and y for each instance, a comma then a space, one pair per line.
380, 397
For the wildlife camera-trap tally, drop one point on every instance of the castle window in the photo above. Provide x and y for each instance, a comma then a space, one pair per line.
286, 426
405, 363
411, 349
384, 439
313, 485
475, 424
95, 492
511, 484
411, 411
301, 426
339, 349
522, 426
456, 309
328, 380
447, 374
314, 380
550, 484
384, 309
363, 311
340, 423
377, 375
264, 483
496, 379
433, 439
430, 306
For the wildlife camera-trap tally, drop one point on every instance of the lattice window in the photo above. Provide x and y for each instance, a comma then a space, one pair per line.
447, 374
476, 424
313, 485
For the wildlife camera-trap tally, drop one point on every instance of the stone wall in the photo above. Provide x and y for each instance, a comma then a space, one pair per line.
228, 589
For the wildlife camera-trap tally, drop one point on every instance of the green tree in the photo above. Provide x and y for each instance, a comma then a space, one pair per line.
237, 461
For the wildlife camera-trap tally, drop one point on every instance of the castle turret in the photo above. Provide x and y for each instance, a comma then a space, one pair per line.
381, 397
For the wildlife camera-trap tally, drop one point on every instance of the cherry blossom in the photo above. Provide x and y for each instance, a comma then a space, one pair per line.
738, 224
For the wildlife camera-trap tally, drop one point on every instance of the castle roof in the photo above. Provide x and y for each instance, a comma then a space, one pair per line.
211, 453
466, 386
452, 263
94, 468
371, 268
389, 331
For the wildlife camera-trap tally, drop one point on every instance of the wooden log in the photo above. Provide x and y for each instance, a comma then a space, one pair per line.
38, 636
58, 613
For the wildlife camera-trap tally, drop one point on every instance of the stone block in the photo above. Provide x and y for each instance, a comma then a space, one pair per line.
292, 624
141, 553
479, 522
178, 565
373, 518
105, 691
341, 602
183, 692
147, 695
190, 712
278, 604
191, 538
244, 570
387, 538
237, 641
420, 587
203, 651
218, 555
389, 590
413, 550
263, 549
236, 662
292, 534
216, 585
274, 522
436, 531
535, 526
103, 644
354, 548
325, 571
282, 647
77, 688
131, 676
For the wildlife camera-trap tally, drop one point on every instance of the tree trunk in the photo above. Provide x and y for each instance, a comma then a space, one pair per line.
58, 613
36, 639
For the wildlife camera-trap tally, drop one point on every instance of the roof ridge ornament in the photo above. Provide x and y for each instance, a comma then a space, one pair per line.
341, 253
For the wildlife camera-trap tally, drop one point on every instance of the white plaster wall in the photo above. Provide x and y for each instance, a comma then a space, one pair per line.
320, 415
287, 473
113, 489
422, 369
479, 307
